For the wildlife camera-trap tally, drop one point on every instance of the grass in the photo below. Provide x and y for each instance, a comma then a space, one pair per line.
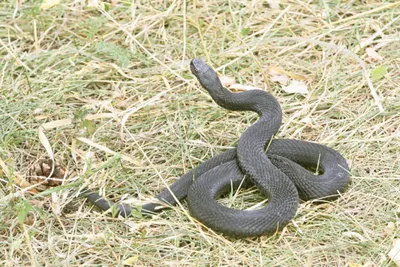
129, 67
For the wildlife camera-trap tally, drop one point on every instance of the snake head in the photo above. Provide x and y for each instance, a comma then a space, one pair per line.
198, 66
207, 77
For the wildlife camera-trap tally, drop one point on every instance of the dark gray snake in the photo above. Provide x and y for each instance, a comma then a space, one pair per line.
280, 173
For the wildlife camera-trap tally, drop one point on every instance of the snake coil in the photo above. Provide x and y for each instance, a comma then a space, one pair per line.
280, 173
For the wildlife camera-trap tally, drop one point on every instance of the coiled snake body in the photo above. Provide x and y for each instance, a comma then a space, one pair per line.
280, 173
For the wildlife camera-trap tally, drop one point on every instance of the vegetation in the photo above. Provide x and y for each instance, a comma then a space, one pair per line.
106, 89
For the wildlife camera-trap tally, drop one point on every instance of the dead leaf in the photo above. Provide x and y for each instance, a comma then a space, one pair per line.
240, 87
130, 261
394, 254
296, 87
45, 142
355, 236
389, 229
274, 4
18, 179
307, 122
47, 4
282, 79
227, 81
372, 54
277, 75
96, 4
274, 70
56, 124
133, 226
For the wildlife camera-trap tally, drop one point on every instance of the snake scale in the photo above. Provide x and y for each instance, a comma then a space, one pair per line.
278, 168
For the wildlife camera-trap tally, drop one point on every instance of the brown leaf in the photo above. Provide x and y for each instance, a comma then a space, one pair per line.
372, 54
45, 142
307, 122
240, 87
297, 87
227, 81
274, 70
274, 4
131, 261
47, 4
389, 229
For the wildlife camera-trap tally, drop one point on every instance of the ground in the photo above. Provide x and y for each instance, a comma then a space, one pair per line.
105, 89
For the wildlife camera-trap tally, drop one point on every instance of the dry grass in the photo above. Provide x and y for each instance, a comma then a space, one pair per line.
130, 65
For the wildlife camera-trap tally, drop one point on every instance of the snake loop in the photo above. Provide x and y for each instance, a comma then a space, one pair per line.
280, 173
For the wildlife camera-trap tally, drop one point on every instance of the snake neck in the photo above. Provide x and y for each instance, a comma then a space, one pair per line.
264, 104
251, 147
254, 100
250, 150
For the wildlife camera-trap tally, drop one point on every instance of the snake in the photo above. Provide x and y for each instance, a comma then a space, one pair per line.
283, 170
